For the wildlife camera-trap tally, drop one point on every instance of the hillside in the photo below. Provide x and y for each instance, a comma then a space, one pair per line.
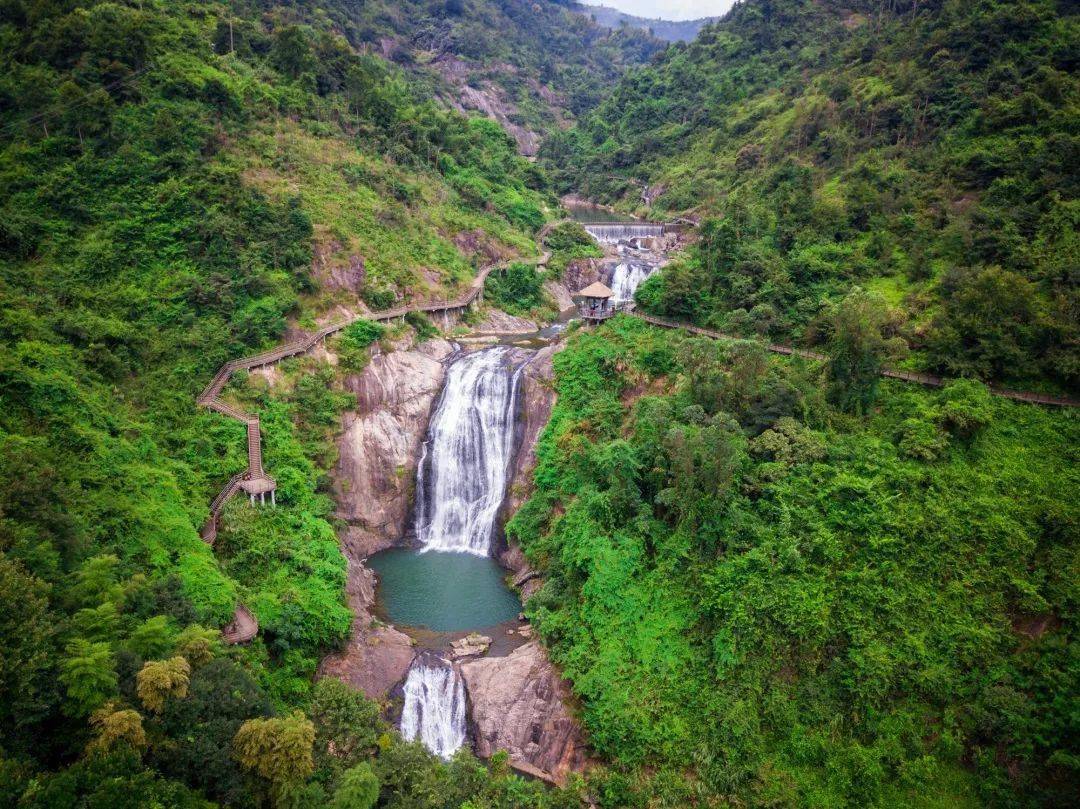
924, 151
533, 66
762, 601
667, 30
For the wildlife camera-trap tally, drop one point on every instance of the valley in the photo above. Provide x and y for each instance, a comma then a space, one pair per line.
489, 404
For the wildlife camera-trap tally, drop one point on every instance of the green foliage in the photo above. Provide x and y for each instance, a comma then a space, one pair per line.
359, 788
858, 348
354, 341
88, 673
421, 323
277, 749
761, 600
519, 289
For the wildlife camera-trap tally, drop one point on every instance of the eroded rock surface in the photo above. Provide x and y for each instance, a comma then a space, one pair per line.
497, 321
379, 448
517, 703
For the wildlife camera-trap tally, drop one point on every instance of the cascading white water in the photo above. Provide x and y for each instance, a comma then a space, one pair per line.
466, 458
434, 710
614, 233
627, 277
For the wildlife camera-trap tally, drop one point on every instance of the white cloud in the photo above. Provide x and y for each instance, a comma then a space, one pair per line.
668, 9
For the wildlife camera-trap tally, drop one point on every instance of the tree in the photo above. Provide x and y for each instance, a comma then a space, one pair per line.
358, 789
278, 749
346, 721
858, 348
990, 324
154, 638
292, 53
26, 638
159, 679
89, 675
966, 408
114, 726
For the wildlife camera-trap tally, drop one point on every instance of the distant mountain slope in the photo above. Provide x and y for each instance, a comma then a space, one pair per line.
667, 30
925, 150
670, 30
532, 65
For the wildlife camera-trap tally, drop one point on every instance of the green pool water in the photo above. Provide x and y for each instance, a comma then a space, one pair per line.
446, 592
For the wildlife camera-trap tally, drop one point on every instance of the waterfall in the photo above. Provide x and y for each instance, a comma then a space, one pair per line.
434, 710
611, 233
626, 278
464, 468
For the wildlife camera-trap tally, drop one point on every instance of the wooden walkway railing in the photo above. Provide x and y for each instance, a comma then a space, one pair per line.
254, 479
904, 376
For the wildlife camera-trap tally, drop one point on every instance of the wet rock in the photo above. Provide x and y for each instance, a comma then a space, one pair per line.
537, 399
470, 645
517, 703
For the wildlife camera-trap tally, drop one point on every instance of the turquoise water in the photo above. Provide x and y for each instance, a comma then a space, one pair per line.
446, 592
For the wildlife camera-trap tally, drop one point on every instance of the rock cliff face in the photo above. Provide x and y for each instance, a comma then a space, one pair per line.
380, 446
378, 454
517, 703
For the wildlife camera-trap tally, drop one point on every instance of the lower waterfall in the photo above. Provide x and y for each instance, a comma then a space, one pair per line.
434, 710
467, 453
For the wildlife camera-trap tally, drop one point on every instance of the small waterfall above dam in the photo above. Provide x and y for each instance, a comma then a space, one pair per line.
613, 233
434, 710
626, 278
464, 468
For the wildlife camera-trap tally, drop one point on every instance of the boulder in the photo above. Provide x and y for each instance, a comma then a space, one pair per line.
499, 322
561, 295
517, 703
469, 646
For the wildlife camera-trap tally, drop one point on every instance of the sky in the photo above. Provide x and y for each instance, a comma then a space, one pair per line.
667, 9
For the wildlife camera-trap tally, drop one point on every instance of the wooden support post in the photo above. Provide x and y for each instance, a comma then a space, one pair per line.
273, 500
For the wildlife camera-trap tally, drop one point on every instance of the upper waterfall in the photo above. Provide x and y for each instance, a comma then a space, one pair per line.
462, 477
434, 710
612, 233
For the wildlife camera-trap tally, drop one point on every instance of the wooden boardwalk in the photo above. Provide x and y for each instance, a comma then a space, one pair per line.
904, 376
254, 481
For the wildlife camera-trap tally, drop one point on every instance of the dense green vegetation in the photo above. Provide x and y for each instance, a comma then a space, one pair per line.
926, 151
763, 601
770, 583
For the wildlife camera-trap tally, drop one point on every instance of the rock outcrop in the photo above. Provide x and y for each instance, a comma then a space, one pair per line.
377, 461
380, 446
377, 656
497, 321
561, 294
517, 703
580, 272
537, 399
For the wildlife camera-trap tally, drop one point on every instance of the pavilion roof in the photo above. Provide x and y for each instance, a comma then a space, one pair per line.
596, 290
